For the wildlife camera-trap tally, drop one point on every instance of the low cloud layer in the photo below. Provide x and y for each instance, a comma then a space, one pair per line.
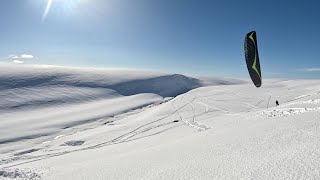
311, 69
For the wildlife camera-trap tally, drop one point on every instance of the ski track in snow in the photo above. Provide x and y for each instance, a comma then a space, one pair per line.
219, 109
193, 123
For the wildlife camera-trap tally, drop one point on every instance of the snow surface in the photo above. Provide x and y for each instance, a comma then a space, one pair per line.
72, 123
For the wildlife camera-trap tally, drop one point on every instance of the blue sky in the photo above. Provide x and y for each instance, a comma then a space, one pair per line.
200, 37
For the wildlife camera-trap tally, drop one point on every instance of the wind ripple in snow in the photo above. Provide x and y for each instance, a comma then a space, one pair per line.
286, 112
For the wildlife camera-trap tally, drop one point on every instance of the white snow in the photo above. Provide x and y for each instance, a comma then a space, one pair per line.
73, 123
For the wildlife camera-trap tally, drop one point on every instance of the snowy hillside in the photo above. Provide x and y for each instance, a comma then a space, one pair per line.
60, 123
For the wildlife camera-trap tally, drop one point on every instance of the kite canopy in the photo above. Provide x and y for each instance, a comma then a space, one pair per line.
252, 58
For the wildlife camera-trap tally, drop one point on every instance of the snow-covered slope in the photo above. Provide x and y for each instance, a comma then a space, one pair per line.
39, 101
215, 132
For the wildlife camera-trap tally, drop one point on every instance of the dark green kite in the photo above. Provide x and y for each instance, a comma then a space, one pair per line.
252, 58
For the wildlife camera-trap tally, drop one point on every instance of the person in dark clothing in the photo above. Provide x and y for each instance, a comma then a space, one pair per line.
277, 103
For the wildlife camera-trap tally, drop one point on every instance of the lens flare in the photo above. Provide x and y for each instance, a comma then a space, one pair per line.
64, 7
47, 10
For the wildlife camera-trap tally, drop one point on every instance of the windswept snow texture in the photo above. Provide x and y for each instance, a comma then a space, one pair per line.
214, 132
18, 174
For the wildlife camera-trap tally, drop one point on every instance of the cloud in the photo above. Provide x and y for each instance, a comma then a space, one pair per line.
12, 56
18, 62
311, 69
26, 56
18, 59
22, 56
